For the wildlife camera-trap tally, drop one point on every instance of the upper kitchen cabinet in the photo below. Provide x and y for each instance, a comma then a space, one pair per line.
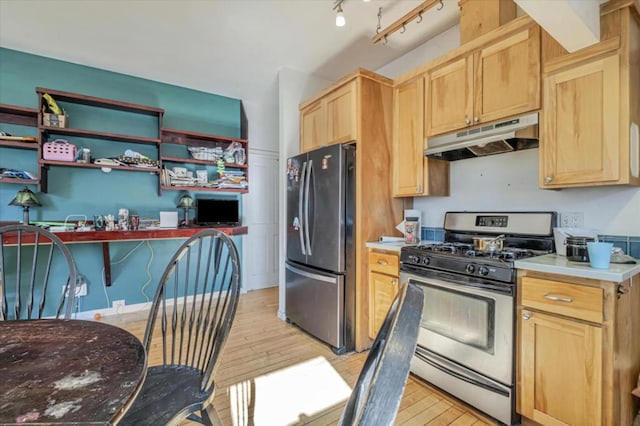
494, 76
413, 173
591, 108
331, 117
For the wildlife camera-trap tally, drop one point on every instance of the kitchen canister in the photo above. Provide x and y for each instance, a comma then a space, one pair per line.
577, 248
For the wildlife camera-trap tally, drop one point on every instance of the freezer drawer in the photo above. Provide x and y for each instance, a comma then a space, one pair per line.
314, 301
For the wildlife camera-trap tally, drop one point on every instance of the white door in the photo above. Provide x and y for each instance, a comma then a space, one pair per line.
260, 214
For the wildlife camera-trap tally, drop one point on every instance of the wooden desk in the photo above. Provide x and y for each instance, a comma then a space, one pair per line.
105, 237
67, 371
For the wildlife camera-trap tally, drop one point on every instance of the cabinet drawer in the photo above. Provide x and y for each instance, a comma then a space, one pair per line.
384, 263
561, 298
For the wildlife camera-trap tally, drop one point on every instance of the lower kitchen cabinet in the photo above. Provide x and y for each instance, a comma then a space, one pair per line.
578, 351
561, 370
383, 287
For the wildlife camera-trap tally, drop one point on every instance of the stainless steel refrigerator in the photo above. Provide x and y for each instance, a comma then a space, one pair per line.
320, 267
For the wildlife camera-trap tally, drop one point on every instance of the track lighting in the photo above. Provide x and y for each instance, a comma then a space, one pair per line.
340, 20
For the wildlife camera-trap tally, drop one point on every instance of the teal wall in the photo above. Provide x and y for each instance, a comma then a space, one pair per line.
90, 191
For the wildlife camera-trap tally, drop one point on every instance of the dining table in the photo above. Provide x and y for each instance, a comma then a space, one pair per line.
56, 371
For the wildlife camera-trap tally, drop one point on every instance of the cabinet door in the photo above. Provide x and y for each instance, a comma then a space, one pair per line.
382, 290
579, 143
408, 139
312, 127
507, 77
341, 114
449, 97
560, 370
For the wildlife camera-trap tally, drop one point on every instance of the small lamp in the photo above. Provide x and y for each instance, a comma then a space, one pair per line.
186, 203
25, 198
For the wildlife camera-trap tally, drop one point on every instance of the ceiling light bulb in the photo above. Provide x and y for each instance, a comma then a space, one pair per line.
340, 21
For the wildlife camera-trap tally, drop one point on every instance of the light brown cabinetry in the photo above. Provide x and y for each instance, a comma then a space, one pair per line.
578, 355
358, 109
487, 82
591, 99
330, 119
383, 286
413, 173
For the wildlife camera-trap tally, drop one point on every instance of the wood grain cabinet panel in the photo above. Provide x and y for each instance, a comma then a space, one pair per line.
383, 287
312, 127
561, 370
495, 81
413, 173
591, 107
331, 119
341, 114
508, 77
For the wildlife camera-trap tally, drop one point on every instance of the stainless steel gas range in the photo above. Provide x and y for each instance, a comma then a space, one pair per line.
466, 344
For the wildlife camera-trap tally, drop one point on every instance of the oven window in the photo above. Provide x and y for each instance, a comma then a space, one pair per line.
461, 316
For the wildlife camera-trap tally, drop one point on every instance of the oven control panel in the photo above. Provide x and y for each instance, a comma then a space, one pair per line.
476, 267
492, 221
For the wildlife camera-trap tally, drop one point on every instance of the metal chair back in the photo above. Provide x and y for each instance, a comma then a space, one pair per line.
195, 304
35, 266
376, 397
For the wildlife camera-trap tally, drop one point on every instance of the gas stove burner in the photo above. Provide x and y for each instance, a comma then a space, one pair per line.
453, 248
508, 254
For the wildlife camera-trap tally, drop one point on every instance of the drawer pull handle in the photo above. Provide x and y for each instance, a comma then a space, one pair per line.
382, 262
558, 298
526, 316
394, 282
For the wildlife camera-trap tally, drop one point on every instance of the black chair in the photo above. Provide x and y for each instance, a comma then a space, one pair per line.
376, 396
193, 310
32, 261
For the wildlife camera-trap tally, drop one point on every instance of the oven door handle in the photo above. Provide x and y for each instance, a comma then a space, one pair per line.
460, 376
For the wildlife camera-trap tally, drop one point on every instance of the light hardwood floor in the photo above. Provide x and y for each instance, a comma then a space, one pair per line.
273, 374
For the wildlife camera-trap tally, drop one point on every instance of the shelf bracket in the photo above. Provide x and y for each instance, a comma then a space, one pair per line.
106, 258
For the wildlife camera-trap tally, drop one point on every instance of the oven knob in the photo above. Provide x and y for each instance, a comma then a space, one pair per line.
470, 268
426, 261
484, 271
414, 259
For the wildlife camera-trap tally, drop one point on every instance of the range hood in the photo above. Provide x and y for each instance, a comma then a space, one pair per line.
487, 139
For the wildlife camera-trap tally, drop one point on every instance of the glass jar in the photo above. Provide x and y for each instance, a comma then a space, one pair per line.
577, 248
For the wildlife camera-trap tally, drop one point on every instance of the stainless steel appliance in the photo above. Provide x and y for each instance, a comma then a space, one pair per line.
508, 135
320, 272
466, 343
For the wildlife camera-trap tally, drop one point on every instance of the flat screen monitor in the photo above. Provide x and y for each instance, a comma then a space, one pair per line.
216, 212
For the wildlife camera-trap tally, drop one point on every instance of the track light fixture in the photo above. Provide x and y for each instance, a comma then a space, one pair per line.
340, 20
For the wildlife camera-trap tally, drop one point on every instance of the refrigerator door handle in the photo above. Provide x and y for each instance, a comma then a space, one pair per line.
306, 208
311, 275
301, 195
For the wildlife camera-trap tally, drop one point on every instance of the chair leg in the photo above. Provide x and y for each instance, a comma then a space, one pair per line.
206, 418
211, 418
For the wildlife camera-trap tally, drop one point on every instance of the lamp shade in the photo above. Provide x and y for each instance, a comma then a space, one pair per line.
185, 202
25, 198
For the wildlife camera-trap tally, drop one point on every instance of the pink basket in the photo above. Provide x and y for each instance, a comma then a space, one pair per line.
59, 150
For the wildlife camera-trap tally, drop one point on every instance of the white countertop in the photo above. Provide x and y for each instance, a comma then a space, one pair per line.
395, 245
555, 264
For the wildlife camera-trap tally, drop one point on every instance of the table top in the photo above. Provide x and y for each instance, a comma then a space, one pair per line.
67, 371
138, 235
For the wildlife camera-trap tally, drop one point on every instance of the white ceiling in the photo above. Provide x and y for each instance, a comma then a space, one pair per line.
229, 47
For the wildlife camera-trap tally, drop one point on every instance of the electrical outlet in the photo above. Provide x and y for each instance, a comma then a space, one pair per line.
118, 305
81, 290
572, 220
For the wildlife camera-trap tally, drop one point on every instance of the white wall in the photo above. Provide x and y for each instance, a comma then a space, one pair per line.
510, 182
294, 87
